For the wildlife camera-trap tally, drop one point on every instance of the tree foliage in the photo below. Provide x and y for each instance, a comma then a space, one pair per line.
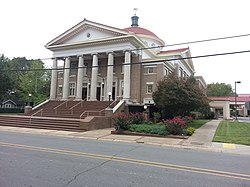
35, 83
175, 96
219, 89
17, 80
5, 79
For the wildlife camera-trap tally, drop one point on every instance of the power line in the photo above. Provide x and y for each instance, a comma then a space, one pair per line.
192, 42
148, 62
170, 45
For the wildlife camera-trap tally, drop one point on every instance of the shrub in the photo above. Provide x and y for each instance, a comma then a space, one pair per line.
150, 129
157, 117
137, 118
11, 110
175, 126
187, 119
121, 121
190, 131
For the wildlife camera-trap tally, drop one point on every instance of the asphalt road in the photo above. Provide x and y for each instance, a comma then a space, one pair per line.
37, 160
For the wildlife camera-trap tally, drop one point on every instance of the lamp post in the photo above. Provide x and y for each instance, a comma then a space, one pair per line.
29, 100
235, 98
145, 107
109, 94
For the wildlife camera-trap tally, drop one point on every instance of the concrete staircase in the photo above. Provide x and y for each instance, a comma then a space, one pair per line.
41, 123
71, 109
61, 115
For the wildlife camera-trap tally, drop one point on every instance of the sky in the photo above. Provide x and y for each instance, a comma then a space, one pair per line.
27, 25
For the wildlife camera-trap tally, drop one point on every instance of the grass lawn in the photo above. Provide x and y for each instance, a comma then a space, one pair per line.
233, 132
198, 123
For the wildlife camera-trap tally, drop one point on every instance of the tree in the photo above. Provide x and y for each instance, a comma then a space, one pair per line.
35, 82
5, 79
219, 89
175, 96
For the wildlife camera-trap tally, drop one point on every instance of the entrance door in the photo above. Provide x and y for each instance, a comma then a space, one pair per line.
98, 93
113, 94
84, 93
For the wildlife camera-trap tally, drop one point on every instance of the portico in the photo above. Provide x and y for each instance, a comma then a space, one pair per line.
94, 76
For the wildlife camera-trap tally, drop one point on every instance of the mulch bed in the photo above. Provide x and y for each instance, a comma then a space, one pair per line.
150, 135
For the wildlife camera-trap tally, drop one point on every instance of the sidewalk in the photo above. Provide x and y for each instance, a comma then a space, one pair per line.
200, 140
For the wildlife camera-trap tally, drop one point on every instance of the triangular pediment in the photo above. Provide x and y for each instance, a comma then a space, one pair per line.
86, 31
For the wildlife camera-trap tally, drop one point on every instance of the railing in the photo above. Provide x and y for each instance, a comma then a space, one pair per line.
71, 109
41, 110
115, 102
87, 112
41, 103
65, 102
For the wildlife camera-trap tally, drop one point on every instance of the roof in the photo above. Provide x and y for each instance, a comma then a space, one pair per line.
240, 98
174, 51
140, 30
9, 100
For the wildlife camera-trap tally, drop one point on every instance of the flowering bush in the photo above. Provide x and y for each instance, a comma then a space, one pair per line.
137, 118
175, 126
187, 119
121, 121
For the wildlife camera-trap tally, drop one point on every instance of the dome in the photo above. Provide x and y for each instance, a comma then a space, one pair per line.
139, 30
146, 35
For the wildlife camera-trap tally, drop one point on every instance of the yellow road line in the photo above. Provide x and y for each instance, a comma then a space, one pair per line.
133, 161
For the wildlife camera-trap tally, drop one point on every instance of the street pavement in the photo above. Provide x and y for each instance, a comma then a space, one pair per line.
201, 139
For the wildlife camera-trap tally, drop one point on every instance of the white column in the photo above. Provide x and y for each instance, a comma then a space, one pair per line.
66, 79
94, 78
109, 76
53, 85
79, 79
126, 95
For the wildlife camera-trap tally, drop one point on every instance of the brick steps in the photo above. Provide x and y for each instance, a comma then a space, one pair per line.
41, 123
71, 109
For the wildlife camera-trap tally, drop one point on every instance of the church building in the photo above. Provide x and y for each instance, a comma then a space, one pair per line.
103, 63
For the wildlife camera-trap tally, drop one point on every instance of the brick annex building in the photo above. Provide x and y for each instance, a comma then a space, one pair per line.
99, 70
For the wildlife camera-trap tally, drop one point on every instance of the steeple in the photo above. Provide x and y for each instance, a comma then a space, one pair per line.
135, 19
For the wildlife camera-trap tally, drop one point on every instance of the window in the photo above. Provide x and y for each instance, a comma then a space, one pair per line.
8, 106
60, 74
72, 87
85, 69
59, 89
73, 68
149, 87
150, 70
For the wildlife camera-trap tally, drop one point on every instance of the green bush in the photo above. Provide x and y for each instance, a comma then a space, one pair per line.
190, 131
11, 110
157, 117
149, 129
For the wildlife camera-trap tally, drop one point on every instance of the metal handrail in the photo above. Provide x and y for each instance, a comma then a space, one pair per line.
40, 102
65, 102
117, 99
41, 110
88, 111
76, 105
